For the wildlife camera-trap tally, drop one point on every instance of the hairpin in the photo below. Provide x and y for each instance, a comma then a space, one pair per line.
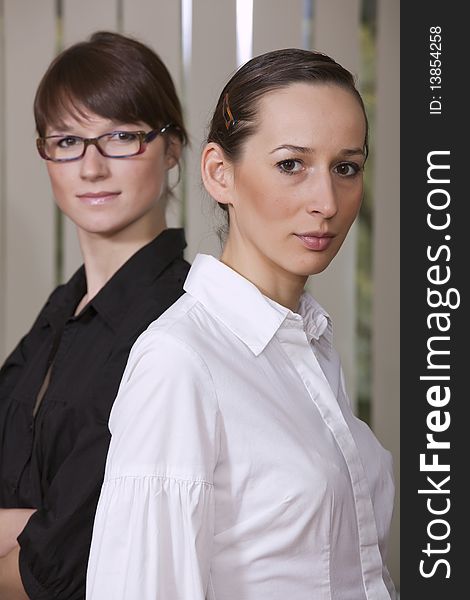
227, 113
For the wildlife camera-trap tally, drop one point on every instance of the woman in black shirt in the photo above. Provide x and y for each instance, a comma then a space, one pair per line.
110, 128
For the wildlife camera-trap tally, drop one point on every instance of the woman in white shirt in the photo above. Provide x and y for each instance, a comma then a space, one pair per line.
237, 469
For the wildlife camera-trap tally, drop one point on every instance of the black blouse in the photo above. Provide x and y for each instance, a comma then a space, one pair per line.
54, 461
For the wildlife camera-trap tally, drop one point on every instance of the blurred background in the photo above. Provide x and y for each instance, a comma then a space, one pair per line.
203, 42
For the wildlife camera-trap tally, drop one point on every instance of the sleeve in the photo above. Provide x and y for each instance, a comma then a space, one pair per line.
153, 530
55, 543
13, 366
56, 540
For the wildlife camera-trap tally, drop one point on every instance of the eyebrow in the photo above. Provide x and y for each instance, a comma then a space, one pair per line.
306, 150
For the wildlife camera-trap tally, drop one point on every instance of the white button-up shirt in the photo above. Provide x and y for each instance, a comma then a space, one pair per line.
237, 469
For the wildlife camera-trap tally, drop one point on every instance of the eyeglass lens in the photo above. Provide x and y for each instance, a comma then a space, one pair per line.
115, 145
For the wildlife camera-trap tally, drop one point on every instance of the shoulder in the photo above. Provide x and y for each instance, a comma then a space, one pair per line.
165, 288
179, 269
145, 301
166, 406
191, 325
167, 355
56, 297
54, 301
170, 339
165, 364
174, 273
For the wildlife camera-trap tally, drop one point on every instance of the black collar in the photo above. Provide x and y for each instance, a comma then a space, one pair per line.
112, 301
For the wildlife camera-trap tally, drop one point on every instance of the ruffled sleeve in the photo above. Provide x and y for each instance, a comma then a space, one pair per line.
153, 529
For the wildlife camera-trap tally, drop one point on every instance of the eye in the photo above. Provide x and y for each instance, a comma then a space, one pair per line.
68, 142
123, 136
290, 166
347, 169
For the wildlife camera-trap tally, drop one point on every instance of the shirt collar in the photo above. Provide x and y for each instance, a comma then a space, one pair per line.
243, 309
141, 269
113, 300
317, 322
63, 301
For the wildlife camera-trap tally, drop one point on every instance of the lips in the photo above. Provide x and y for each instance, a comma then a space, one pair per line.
98, 198
315, 240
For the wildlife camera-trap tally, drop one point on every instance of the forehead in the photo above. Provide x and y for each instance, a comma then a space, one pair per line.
311, 111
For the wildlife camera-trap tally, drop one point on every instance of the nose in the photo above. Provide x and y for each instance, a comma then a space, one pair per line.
323, 199
94, 166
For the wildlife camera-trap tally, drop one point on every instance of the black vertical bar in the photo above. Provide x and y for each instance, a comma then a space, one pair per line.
434, 301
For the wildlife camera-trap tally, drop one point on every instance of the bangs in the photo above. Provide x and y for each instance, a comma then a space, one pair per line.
86, 84
57, 109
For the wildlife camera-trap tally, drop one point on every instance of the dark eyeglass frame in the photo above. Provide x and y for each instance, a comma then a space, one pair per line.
144, 139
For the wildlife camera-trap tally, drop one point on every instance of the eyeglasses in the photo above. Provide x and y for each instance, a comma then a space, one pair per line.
116, 144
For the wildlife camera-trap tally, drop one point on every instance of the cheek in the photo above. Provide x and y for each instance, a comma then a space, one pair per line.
61, 181
268, 199
351, 204
286, 205
356, 205
145, 178
266, 210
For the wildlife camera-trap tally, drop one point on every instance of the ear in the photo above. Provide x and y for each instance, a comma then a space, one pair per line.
173, 151
217, 173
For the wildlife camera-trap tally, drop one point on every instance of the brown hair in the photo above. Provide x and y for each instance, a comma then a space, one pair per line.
234, 118
113, 76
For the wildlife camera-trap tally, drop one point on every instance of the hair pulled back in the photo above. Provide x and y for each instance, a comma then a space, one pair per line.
235, 116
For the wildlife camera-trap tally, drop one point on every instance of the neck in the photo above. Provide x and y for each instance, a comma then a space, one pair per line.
103, 256
273, 281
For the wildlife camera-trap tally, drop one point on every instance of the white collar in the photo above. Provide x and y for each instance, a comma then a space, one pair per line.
243, 309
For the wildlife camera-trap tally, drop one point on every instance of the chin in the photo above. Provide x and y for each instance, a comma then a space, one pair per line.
318, 270
313, 265
314, 271
102, 224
